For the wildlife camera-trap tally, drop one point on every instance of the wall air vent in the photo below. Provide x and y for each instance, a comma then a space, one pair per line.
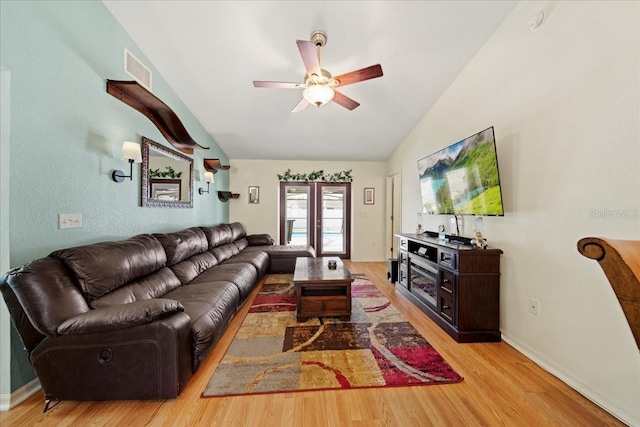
137, 70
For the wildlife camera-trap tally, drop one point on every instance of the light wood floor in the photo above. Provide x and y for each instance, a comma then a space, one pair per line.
501, 388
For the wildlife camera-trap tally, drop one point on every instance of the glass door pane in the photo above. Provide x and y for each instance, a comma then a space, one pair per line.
334, 219
297, 214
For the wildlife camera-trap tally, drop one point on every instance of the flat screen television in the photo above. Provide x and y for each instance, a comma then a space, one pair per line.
462, 179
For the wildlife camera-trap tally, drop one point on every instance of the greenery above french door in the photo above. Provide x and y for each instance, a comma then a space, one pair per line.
317, 214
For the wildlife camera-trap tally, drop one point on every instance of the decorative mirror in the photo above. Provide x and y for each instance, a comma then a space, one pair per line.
167, 177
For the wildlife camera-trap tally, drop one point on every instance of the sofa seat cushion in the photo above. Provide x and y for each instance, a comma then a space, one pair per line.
282, 258
211, 306
290, 251
259, 259
241, 274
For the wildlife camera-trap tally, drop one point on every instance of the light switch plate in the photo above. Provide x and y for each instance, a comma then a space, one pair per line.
69, 221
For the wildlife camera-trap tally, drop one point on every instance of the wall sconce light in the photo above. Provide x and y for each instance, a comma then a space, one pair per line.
131, 152
208, 178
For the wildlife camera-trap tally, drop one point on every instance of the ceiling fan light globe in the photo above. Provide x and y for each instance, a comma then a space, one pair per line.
318, 94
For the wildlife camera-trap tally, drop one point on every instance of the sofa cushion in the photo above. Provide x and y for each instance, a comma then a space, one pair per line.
183, 244
237, 231
191, 267
224, 252
218, 235
47, 295
241, 243
103, 267
284, 251
243, 275
211, 306
119, 317
155, 285
290, 251
259, 240
259, 259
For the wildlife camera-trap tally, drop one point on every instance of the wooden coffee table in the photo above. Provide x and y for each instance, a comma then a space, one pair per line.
320, 291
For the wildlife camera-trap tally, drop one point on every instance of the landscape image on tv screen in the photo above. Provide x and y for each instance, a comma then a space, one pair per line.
462, 179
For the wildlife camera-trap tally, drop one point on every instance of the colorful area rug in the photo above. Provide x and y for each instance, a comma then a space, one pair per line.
376, 348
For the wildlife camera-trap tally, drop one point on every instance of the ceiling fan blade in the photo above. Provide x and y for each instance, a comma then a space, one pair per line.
300, 106
359, 75
309, 53
279, 85
345, 101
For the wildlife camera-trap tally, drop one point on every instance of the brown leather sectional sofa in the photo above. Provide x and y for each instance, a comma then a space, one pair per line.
134, 319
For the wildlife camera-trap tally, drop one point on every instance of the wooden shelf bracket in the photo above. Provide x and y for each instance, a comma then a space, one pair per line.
213, 165
225, 196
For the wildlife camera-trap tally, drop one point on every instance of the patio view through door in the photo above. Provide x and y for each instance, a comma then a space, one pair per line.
317, 214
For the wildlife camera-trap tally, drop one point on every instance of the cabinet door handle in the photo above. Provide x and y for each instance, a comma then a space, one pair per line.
445, 307
446, 281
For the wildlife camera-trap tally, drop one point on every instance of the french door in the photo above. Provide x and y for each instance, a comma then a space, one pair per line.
317, 214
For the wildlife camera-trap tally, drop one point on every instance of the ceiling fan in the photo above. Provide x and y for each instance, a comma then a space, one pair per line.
319, 85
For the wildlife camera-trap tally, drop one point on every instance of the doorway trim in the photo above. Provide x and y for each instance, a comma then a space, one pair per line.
393, 212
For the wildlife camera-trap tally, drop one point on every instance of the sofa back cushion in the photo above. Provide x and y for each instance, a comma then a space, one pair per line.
241, 243
191, 267
47, 294
237, 231
102, 267
155, 285
218, 235
183, 244
187, 254
224, 252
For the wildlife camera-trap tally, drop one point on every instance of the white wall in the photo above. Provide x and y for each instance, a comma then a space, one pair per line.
565, 103
368, 226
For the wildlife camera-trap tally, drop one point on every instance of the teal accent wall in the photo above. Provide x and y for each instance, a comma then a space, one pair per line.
67, 132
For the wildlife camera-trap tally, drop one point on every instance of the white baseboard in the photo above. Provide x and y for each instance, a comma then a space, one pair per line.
575, 383
8, 401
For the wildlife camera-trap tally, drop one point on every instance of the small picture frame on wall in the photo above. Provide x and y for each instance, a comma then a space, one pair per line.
254, 194
369, 196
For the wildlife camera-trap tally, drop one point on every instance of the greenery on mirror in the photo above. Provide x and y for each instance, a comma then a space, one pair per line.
344, 176
169, 173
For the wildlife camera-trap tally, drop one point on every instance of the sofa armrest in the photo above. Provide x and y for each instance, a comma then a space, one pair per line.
151, 361
259, 240
119, 317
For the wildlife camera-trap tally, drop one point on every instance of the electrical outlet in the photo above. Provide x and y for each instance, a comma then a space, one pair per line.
534, 307
69, 221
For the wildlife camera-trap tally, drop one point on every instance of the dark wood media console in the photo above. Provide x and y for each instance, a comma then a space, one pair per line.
456, 285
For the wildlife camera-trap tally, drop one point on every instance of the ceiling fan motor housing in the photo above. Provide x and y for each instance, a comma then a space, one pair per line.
319, 38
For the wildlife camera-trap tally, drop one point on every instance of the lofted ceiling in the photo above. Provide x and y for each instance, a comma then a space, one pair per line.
210, 52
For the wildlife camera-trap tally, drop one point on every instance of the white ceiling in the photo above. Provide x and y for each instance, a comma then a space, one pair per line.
211, 51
